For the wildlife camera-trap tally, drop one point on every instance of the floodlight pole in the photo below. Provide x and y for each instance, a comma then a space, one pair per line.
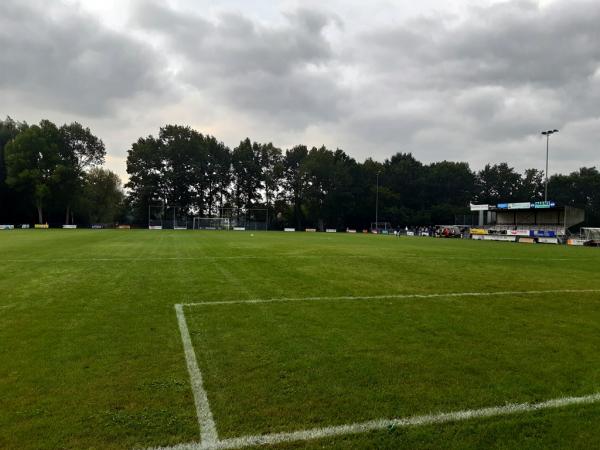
377, 202
547, 134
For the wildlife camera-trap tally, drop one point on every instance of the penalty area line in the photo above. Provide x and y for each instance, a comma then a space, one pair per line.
209, 438
383, 424
208, 428
395, 296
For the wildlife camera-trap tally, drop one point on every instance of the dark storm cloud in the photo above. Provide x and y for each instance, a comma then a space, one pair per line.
54, 55
274, 71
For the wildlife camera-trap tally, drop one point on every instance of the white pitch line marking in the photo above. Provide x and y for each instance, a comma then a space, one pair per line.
208, 428
382, 424
395, 296
234, 257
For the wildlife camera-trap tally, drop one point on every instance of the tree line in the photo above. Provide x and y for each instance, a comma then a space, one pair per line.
51, 173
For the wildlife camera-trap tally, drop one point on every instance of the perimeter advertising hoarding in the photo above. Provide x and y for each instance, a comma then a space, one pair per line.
478, 231
548, 240
479, 207
518, 232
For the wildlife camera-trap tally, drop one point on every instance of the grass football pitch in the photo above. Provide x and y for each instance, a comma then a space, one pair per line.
115, 339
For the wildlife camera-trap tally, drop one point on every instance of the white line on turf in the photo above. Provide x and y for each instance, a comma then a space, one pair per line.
396, 296
242, 257
382, 424
208, 429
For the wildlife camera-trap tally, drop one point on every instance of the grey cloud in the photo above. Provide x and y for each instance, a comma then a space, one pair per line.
496, 78
237, 44
507, 44
477, 89
276, 72
428, 85
57, 56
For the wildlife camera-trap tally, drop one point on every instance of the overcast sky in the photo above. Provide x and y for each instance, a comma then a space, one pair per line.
473, 81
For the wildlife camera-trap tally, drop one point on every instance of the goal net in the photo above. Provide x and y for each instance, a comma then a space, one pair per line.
246, 218
179, 217
591, 234
212, 223
156, 216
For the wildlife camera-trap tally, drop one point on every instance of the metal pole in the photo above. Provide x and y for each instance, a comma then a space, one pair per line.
546, 188
377, 203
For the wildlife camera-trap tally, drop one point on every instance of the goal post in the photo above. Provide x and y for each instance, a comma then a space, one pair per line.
252, 219
211, 223
156, 215
591, 235
179, 217
255, 219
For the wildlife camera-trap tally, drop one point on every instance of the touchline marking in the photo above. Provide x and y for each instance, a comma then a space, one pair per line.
382, 424
242, 257
208, 429
394, 296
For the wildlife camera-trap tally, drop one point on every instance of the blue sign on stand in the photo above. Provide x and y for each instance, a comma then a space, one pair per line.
544, 205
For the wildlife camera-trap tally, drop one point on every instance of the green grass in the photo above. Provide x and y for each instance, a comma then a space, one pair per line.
91, 355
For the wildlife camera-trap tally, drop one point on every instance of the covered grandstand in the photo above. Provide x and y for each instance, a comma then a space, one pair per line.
530, 222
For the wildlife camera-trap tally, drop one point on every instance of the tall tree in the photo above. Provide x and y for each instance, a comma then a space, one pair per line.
318, 167
532, 185
102, 196
330, 193
34, 164
272, 171
146, 183
294, 181
247, 174
184, 160
80, 150
498, 183
580, 189
218, 175
9, 203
